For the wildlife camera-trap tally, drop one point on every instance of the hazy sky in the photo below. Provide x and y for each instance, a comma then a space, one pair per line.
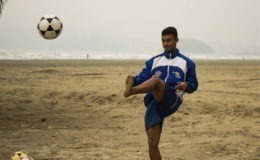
225, 26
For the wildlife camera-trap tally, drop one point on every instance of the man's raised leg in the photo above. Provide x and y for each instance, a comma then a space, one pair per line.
154, 85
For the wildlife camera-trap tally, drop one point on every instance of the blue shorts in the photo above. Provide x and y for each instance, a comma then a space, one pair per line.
156, 112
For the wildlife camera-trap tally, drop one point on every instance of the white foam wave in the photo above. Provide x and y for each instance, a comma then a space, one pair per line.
32, 55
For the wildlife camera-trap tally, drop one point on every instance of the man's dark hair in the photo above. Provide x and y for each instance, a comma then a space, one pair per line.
170, 30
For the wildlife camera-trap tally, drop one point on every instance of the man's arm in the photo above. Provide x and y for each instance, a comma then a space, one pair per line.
144, 75
191, 78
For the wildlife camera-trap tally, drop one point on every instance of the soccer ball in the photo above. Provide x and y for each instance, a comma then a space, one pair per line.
19, 155
50, 27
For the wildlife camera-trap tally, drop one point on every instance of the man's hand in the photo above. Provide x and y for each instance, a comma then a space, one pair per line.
181, 86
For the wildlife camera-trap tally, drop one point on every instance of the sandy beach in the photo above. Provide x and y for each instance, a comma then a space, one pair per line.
57, 110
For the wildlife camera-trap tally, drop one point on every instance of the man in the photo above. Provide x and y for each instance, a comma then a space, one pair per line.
165, 79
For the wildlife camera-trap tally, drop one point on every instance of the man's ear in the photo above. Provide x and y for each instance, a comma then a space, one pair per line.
177, 40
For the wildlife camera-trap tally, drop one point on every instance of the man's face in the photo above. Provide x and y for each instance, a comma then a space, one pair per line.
169, 42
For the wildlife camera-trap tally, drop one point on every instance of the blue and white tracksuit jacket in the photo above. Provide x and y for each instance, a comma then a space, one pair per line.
171, 68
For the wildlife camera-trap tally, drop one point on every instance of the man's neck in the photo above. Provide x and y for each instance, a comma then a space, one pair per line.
172, 51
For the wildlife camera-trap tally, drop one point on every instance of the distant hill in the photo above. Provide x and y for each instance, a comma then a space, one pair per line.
194, 46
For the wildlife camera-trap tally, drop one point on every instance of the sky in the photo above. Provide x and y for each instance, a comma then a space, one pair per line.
205, 27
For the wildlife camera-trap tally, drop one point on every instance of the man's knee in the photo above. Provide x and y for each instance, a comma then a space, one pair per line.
153, 141
158, 91
156, 79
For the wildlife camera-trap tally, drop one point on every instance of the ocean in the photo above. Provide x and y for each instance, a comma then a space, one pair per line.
81, 55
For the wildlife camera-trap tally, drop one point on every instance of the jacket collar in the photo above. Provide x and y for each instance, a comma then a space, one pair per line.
171, 55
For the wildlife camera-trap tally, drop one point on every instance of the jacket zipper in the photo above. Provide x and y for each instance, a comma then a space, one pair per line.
168, 69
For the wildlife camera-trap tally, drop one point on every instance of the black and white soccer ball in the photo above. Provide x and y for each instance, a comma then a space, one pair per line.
50, 27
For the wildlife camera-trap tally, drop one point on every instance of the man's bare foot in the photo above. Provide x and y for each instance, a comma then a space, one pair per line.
128, 86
